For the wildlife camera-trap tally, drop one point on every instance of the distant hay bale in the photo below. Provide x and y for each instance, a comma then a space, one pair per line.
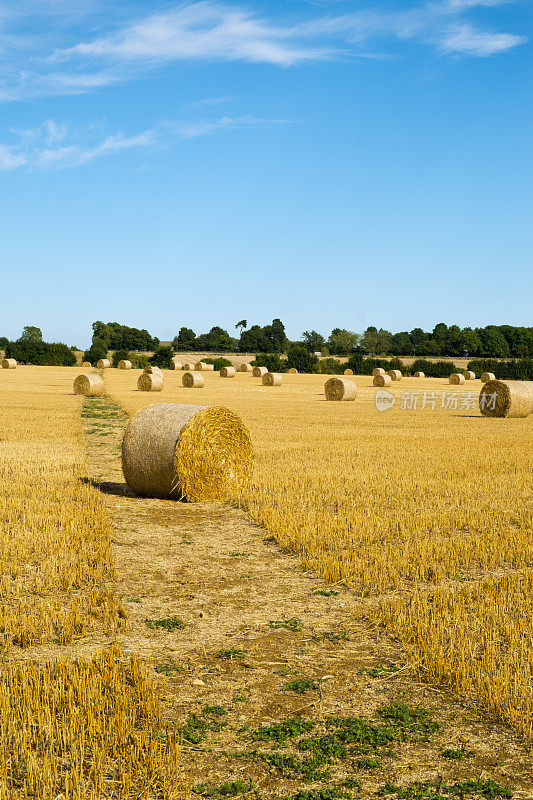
9, 363
506, 398
89, 385
103, 363
394, 374
420, 374
258, 372
488, 376
227, 372
271, 379
293, 371
150, 382
152, 370
192, 380
201, 366
378, 371
186, 452
188, 367
124, 364
348, 371
340, 389
382, 380
87, 364
246, 368
175, 364
456, 378
469, 375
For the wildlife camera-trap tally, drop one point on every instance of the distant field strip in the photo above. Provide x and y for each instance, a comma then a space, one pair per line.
397, 505
74, 726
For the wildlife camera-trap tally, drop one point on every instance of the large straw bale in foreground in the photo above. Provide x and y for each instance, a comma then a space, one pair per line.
420, 374
469, 375
9, 363
125, 364
192, 380
228, 372
103, 363
186, 452
271, 379
175, 364
394, 374
89, 385
378, 371
152, 370
201, 366
506, 399
488, 376
340, 389
258, 372
348, 371
381, 380
150, 382
246, 368
456, 379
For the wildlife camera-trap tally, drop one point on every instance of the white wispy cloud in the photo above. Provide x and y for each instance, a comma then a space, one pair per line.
67, 57
53, 146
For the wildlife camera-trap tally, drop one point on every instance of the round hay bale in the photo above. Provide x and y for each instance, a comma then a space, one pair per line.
227, 372
394, 374
488, 376
9, 363
201, 366
152, 370
348, 371
175, 364
86, 364
124, 364
103, 363
293, 371
186, 452
188, 367
420, 374
381, 380
340, 389
506, 399
271, 379
150, 382
192, 380
378, 371
456, 379
246, 368
258, 372
469, 375
89, 385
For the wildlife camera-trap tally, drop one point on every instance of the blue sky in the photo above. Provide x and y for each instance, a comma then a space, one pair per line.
330, 163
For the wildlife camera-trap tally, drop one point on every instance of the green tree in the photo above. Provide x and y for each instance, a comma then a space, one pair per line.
299, 357
274, 337
313, 341
185, 339
31, 334
241, 325
342, 342
401, 344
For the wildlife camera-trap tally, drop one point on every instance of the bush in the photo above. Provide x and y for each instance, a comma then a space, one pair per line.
299, 358
365, 366
139, 360
271, 361
162, 357
218, 363
513, 370
330, 366
433, 369
46, 354
120, 355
